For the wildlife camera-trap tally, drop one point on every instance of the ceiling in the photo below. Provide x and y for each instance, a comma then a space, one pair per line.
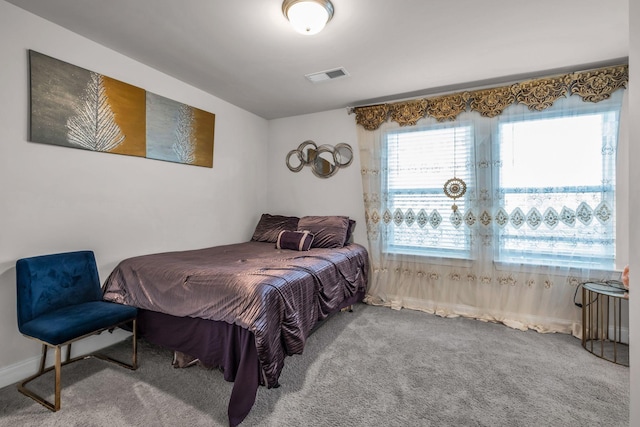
245, 52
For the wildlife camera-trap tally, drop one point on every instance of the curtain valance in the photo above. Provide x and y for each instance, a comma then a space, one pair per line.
538, 94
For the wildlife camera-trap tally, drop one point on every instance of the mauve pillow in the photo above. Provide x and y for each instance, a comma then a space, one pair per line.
296, 240
328, 231
270, 226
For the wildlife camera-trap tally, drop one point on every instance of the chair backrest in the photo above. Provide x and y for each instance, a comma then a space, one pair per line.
48, 282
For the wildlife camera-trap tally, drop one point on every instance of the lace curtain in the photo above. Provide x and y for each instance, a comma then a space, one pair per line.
486, 259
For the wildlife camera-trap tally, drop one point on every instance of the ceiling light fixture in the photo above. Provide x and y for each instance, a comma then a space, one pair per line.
308, 16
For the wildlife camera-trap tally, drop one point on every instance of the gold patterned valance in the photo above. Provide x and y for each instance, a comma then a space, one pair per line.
597, 85
540, 94
373, 116
408, 113
448, 107
491, 102
592, 85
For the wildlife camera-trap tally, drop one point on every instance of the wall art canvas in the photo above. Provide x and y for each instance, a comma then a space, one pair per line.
177, 132
75, 107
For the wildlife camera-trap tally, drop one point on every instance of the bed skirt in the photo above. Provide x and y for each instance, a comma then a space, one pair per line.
219, 344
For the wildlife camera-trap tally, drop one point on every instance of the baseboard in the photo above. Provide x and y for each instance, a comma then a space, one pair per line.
18, 371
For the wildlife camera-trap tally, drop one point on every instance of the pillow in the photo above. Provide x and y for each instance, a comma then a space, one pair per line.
352, 226
296, 240
270, 225
328, 231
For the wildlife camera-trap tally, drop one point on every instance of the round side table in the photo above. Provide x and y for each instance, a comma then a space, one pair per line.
602, 322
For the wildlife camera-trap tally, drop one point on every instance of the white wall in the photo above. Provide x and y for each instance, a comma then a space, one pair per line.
55, 199
303, 193
634, 207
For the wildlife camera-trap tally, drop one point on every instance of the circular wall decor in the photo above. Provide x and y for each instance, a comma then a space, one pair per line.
324, 160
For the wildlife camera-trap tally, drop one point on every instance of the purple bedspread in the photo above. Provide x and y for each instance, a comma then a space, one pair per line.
278, 295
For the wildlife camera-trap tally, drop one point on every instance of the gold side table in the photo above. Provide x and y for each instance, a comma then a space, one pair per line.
602, 309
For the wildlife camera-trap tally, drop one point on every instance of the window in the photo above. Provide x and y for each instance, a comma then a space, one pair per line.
540, 187
419, 162
561, 170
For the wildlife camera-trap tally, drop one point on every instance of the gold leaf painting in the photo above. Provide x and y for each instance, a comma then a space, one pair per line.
78, 108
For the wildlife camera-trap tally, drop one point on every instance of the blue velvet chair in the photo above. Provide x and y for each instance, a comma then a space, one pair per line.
59, 302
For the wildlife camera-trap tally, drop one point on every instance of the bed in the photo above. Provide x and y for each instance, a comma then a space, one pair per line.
245, 307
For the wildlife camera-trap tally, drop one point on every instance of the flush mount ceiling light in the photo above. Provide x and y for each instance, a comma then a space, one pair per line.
308, 16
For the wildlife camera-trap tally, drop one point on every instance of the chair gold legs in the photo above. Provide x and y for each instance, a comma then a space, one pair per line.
134, 358
58, 364
24, 390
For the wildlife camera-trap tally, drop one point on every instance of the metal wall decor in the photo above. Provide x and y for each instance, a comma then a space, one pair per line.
324, 160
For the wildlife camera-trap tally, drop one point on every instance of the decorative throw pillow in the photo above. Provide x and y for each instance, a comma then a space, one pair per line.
352, 225
296, 240
328, 231
270, 226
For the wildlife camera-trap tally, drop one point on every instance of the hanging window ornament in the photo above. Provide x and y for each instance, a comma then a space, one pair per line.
454, 188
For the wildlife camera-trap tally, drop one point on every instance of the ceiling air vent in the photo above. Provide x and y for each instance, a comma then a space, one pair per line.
327, 75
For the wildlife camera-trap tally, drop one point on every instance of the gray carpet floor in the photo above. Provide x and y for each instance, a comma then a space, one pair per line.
372, 367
